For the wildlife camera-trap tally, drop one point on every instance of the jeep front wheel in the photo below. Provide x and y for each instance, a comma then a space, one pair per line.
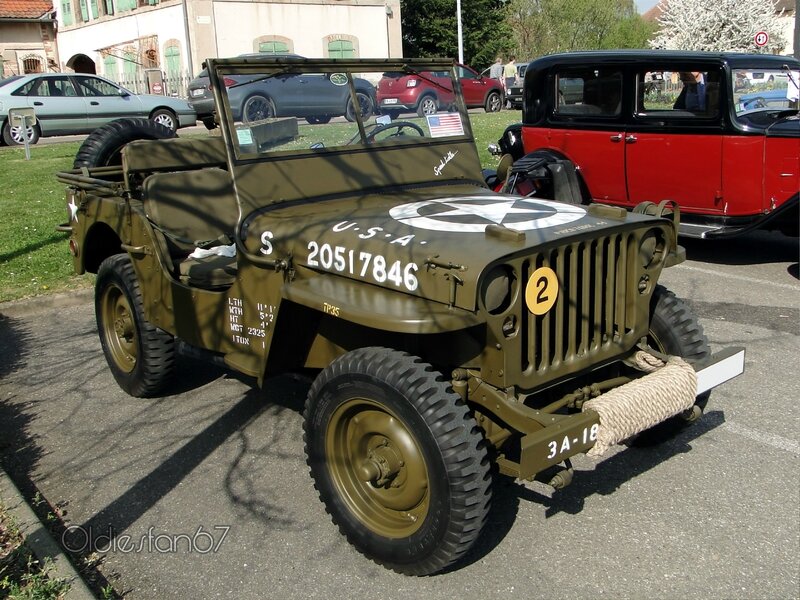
674, 330
141, 357
397, 459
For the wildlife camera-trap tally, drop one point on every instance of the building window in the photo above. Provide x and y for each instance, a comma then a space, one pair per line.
129, 66
84, 11
66, 12
109, 4
273, 44
93, 9
32, 64
341, 46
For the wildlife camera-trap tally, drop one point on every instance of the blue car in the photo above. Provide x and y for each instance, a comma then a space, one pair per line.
70, 103
768, 99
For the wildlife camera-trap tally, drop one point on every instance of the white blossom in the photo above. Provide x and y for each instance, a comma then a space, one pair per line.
721, 26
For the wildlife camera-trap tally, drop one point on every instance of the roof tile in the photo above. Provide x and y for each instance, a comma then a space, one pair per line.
24, 9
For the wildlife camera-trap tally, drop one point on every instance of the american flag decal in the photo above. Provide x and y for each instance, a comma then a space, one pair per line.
445, 125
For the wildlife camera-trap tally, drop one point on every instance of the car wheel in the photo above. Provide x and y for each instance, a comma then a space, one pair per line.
674, 330
141, 356
319, 120
12, 136
397, 459
257, 108
427, 106
165, 117
103, 147
493, 102
365, 105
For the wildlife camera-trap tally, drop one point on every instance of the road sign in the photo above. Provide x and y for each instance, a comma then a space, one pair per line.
761, 39
25, 119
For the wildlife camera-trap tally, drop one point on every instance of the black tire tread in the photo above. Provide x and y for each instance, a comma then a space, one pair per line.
453, 427
156, 357
103, 147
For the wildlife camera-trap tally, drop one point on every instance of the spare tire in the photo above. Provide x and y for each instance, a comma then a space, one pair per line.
103, 147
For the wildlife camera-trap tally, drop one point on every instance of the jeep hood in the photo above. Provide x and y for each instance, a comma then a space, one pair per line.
432, 242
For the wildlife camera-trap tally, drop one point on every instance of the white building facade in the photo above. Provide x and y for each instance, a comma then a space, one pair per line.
124, 39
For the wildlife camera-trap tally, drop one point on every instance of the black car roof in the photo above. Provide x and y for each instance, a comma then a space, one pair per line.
734, 59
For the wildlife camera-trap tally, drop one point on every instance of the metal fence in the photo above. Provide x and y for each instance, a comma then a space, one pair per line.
175, 84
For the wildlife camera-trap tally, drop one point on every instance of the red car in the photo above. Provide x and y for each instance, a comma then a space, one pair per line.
596, 129
427, 92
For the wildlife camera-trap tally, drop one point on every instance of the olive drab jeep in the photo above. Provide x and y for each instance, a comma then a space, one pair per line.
457, 334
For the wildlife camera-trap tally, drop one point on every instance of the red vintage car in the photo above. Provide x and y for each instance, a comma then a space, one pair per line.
595, 129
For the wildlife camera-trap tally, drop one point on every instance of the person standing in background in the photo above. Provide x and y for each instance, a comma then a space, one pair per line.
496, 70
510, 73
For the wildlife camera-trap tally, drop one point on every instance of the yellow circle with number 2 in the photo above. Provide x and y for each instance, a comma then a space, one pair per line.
542, 290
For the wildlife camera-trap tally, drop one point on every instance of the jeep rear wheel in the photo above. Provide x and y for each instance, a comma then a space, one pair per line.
141, 356
674, 330
397, 459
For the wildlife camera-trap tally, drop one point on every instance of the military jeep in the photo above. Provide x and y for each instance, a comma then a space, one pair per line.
455, 334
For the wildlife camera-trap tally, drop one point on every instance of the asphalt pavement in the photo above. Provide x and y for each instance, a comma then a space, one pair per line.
204, 493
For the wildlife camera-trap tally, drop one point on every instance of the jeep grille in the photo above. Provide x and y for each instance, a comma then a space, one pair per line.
598, 315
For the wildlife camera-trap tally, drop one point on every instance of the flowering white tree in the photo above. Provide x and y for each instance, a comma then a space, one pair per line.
721, 26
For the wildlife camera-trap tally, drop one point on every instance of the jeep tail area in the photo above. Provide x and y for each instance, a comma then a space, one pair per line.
626, 126
456, 334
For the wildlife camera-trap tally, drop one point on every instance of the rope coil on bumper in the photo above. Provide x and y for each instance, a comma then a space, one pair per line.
666, 391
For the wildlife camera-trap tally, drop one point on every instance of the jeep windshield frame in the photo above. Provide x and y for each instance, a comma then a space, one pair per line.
285, 156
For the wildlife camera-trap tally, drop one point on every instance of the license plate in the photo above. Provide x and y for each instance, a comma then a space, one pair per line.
564, 445
390, 100
196, 93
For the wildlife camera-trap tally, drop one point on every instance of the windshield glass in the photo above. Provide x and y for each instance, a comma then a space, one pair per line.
764, 90
307, 107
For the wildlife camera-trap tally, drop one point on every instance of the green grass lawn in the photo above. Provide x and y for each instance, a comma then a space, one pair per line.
33, 256
34, 259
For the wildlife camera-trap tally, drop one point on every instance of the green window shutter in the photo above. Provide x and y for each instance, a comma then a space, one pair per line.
173, 57
129, 66
110, 67
66, 12
341, 49
273, 47
93, 9
84, 11
109, 7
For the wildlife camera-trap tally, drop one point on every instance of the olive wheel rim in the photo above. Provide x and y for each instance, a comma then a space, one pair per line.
378, 468
119, 328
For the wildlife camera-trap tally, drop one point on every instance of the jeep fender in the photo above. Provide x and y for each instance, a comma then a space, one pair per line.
556, 177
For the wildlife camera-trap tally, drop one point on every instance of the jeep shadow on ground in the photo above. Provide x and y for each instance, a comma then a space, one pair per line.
605, 478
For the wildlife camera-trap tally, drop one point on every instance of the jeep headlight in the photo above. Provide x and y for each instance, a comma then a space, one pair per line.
651, 248
498, 289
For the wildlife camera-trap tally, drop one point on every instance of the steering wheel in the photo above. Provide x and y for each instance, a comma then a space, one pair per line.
758, 102
398, 125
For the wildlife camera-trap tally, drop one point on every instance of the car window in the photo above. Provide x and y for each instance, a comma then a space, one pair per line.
464, 73
31, 88
764, 90
690, 93
588, 92
92, 86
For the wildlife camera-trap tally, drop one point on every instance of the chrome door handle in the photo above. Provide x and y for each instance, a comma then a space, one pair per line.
630, 139
616, 138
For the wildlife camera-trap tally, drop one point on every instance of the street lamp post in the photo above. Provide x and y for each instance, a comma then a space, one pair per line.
460, 39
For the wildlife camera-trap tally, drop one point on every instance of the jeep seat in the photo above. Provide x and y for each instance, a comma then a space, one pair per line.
190, 209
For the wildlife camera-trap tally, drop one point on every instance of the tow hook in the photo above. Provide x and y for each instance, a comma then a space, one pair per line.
563, 477
690, 415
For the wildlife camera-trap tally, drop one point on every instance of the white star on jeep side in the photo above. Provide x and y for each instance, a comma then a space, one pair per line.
73, 210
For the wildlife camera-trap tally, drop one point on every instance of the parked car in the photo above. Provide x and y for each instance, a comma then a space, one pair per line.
427, 92
514, 93
766, 100
317, 97
69, 103
728, 167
